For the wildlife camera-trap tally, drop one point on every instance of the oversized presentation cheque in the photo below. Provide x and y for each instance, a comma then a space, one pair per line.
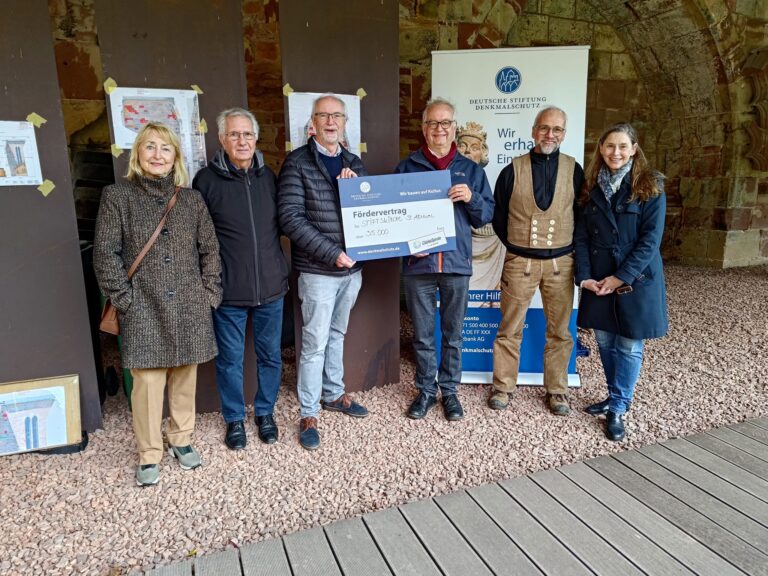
397, 214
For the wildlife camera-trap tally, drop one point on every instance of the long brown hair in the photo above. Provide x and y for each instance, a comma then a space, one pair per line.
646, 183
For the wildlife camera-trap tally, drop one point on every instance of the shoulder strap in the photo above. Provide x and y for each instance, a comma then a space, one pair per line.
154, 236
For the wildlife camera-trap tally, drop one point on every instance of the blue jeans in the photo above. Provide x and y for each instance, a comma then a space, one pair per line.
229, 323
622, 359
326, 302
421, 296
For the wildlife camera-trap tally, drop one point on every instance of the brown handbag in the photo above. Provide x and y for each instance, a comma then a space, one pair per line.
109, 323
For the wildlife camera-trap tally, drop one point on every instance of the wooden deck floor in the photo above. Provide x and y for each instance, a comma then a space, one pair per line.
697, 505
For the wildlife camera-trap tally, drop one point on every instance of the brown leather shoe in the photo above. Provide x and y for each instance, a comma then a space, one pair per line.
558, 404
309, 437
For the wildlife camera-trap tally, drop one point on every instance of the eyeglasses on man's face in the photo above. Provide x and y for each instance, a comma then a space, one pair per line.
324, 116
235, 136
556, 130
444, 124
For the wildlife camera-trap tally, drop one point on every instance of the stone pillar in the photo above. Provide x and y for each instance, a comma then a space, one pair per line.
44, 329
341, 47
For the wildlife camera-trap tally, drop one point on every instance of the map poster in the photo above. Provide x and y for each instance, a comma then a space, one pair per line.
132, 108
19, 160
300, 119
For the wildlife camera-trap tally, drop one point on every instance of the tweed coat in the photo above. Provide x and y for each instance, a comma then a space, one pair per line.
165, 309
622, 239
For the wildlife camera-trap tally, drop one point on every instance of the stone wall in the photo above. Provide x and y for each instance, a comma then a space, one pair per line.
78, 61
674, 68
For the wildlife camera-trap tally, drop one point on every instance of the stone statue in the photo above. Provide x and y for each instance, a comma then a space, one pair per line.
487, 251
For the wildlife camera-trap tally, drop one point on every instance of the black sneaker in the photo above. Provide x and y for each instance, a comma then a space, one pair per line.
421, 405
235, 438
452, 407
268, 432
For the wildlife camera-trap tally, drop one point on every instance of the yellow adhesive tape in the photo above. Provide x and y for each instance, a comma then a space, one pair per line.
197, 89
109, 85
288, 146
361, 93
46, 187
116, 150
203, 126
287, 90
363, 147
36, 119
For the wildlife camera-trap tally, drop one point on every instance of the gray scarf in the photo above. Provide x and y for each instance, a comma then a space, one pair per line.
609, 181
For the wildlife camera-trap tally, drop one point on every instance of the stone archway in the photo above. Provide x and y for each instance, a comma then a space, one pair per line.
688, 58
671, 67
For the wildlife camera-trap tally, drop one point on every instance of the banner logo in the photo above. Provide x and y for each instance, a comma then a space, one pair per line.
508, 80
365, 187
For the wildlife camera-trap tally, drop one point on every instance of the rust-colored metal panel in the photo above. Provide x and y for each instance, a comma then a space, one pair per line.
43, 315
171, 44
337, 46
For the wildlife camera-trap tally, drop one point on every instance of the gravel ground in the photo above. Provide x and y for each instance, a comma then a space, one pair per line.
83, 513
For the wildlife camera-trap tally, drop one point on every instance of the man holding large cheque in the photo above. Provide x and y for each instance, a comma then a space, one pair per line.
446, 272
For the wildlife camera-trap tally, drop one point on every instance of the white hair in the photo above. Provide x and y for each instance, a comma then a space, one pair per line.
221, 119
332, 96
550, 109
437, 101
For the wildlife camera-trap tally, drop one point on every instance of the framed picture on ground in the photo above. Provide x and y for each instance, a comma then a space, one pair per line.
39, 414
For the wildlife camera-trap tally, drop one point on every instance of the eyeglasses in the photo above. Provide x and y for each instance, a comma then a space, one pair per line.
444, 124
235, 136
324, 116
556, 130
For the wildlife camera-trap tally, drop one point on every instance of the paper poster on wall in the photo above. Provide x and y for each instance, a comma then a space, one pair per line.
132, 108
302, 127
19, 159
497, 97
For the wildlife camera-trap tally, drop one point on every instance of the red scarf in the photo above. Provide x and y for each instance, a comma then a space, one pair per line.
439, 163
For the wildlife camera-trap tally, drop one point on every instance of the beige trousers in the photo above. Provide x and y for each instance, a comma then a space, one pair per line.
147, 403
519, 280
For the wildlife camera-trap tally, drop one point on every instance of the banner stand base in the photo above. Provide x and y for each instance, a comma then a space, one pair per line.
523, 379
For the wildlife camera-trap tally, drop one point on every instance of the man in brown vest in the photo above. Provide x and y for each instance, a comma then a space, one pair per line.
534, 217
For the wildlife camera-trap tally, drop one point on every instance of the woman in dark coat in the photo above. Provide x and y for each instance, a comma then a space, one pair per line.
618, 265
165, 308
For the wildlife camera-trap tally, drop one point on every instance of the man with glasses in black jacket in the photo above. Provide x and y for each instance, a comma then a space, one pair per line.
329, 280
241, 195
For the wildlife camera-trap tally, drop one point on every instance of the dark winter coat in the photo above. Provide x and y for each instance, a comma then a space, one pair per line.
466, 215
165, 308
310, 210
622, 239
243, 206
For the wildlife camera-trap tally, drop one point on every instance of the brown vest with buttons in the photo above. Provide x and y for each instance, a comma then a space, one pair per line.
530, 227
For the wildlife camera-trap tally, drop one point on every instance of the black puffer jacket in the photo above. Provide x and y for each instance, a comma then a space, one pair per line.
310, 211
243, 206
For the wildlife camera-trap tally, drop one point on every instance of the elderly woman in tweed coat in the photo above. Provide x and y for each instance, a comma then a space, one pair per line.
165, 308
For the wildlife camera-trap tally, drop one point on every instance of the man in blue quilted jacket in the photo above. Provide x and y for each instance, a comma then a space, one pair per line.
329, 280
445, 272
